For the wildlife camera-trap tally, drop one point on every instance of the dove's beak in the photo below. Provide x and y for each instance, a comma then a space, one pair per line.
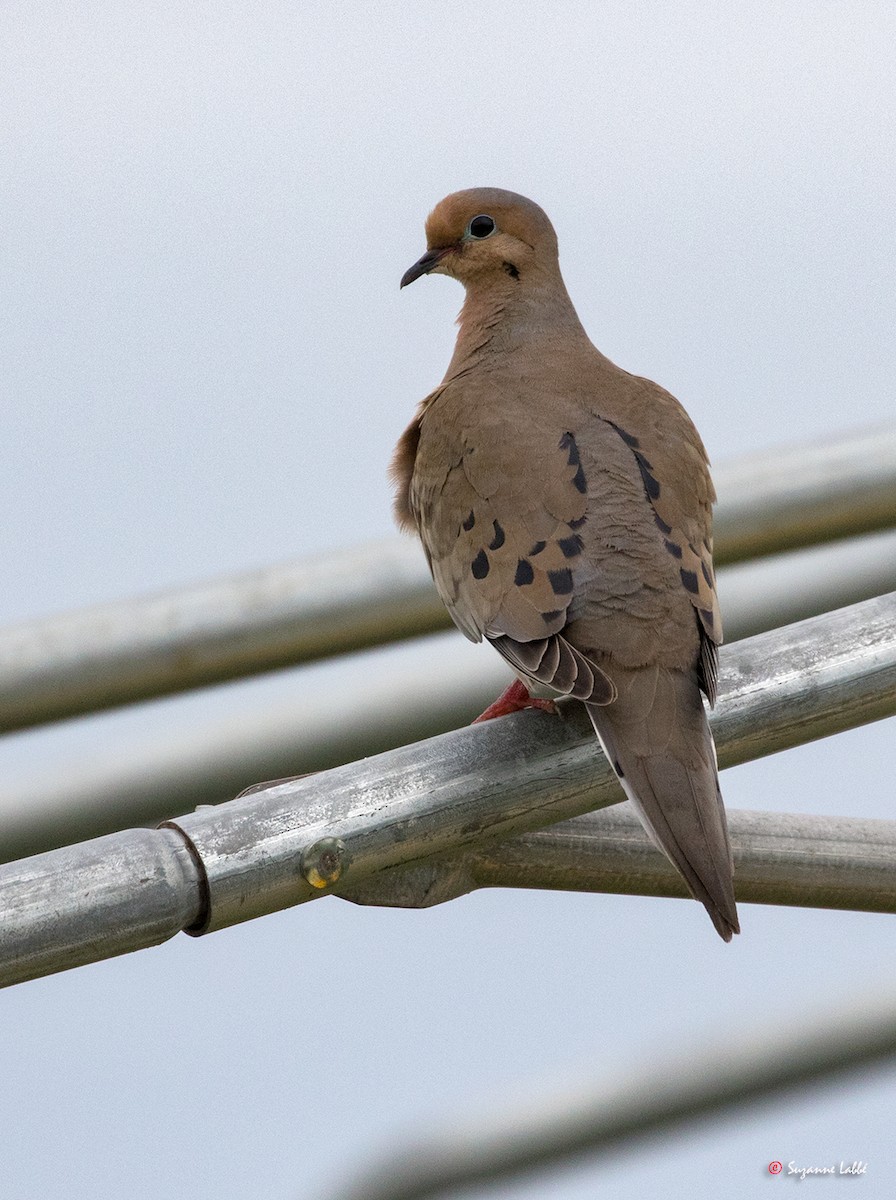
424, 265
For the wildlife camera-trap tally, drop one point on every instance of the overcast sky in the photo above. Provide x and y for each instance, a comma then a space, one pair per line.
206, 361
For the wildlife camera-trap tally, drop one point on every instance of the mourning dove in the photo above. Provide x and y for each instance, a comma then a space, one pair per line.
565, 508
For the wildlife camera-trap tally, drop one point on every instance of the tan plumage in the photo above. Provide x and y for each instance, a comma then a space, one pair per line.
565, 507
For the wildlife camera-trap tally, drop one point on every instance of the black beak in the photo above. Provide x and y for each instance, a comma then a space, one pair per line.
424, 265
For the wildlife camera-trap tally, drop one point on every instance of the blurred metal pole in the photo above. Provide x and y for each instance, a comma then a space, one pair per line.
151, 646
334, 831
550, 1128
805, 495
130, 650
421, 689
365, 705
782, 588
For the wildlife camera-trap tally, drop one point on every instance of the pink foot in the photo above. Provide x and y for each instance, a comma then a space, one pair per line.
515, 698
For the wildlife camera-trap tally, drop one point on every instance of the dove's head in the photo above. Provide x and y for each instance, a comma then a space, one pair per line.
485, 237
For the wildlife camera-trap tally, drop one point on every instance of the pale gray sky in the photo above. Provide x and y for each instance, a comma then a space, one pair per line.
206, 210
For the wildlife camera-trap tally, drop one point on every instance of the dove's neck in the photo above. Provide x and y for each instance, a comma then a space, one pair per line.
513, 316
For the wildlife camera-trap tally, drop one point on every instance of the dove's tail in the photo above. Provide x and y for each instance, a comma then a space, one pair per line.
658, 741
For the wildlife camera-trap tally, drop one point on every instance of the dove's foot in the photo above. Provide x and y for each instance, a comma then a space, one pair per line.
516, 697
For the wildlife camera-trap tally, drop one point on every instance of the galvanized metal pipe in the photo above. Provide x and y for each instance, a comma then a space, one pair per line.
779, 589
422, 689
96, 900
550, 1127
130, 650
335, 831
769, 502
155, 645
384, 700
853, 861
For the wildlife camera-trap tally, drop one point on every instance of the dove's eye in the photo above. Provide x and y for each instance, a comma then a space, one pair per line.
481, 227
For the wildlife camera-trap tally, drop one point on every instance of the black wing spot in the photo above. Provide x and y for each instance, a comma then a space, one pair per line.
651, 486
480, 565
568, 443
512, 271
661, 524
561, 581
618, 769
524, 573
498, 540
690, 581
708, 618
673, 549
577, 523
707, 574
470, 521
553, 614
628, 438
571, 546
537, 549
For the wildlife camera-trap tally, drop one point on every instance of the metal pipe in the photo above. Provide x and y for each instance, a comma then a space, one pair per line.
782, 588
155, 645
367, 705
422, 689
96, 900
304, 838
782, 858
130, 650
552, 1127
798, 497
